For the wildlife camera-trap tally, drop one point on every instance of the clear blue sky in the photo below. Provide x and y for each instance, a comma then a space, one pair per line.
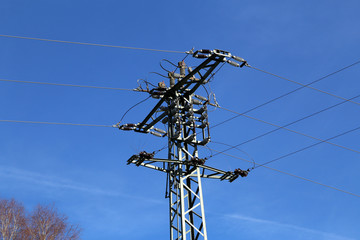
83, 169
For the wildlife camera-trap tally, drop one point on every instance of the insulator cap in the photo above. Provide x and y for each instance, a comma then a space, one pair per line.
163, 108
233, 63
156, 134
201, 110
203, 116
189, 138
160, 130
238, 58
196, 102
201, 56
205, 51
127, 128
201, 97
205, 141
165, 120
176, 75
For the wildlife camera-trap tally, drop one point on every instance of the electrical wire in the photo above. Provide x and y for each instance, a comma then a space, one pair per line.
310, 146
213, 74
90, 44
159, 74
293, 175
246, 153
187, 54
66, 85
262, 165
307, 85
293, 131
291, 123
57, 123
118, 124
288, 93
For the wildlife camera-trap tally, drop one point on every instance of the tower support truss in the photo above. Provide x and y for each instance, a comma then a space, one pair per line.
185, 114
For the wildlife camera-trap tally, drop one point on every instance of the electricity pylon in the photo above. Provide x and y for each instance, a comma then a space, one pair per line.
185, 114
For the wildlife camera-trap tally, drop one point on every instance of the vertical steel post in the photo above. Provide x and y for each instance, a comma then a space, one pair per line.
186, 206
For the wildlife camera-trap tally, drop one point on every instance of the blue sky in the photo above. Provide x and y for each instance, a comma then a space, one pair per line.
83, 169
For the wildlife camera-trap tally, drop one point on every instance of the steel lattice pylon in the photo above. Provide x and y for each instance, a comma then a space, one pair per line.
185, 114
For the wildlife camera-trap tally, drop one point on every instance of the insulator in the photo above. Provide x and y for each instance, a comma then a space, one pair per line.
172, 79
189, 114
205, 141
173, 111
176, 75
190, 69
127, 128
156, 134
189, 138
196, 102
240, 172
203, 125
233, 177
238, 58
205, 51
189, 122
203, 116
187, 107
182, 67
201, 56
160, 130
165, 120
201, 97
157, 94
201, 110
146, 155
177, 134
173, 104
129, 125
139, 162
233, 63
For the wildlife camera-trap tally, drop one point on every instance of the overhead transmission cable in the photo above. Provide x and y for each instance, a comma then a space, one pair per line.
66, 85
310, 146
288, 93
293, 131
246, 153
132, 108
56, 123
292, 175
95, 125
291, 123
90, 44
308, 85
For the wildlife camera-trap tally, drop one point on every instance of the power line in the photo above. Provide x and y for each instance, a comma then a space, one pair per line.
290, 130
57, 123
310, 146
236, 147
291, 123
293, 175
288, 93
306, 85
90, 44
66, 85
132, 108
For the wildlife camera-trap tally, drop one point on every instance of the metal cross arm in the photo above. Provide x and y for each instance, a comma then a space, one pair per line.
206, 171
212, 61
